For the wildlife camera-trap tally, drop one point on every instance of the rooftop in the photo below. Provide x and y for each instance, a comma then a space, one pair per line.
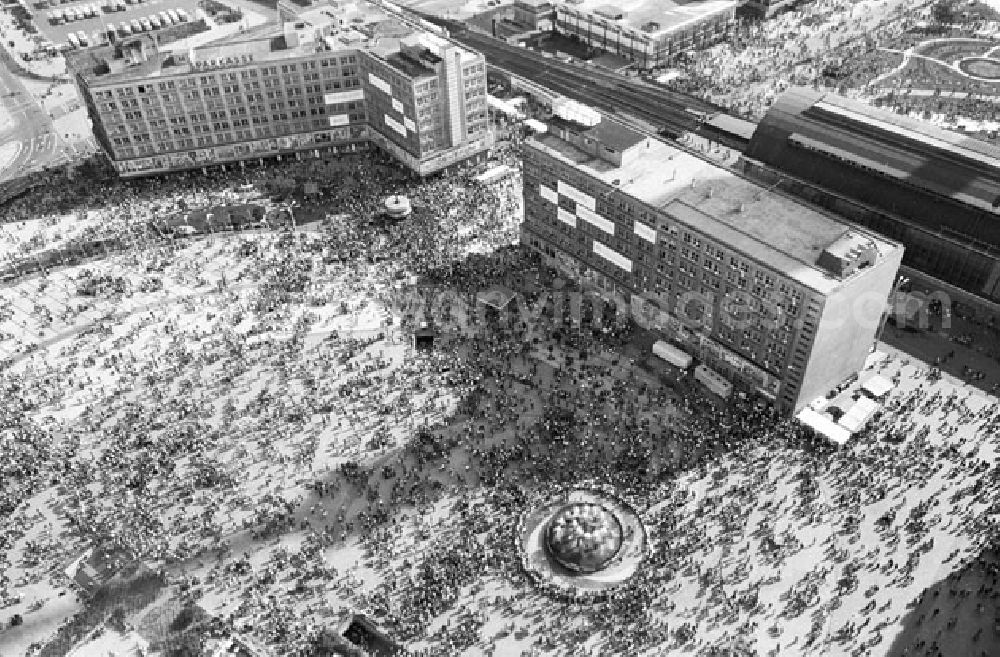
763, 224
667, 15
348, 25
912, 152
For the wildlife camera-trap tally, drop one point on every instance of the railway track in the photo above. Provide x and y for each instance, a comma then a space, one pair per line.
668, 111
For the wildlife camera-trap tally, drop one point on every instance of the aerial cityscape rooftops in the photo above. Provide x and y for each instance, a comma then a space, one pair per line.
333, 26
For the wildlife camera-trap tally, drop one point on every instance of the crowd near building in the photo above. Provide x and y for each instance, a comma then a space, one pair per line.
647, 32
336, 77
764, 290
934, 190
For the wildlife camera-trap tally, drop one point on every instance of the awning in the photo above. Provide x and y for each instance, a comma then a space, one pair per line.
824, 425
877, 386
855, 419
671, 354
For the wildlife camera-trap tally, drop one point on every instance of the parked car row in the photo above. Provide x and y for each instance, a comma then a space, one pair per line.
112, 32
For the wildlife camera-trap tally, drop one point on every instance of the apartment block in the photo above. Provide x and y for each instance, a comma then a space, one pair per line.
776, 296
335, 77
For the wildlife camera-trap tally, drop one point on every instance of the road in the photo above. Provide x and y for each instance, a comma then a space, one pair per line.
27, 136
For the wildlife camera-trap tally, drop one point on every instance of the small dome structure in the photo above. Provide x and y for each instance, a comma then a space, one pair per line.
398, 206
583, 537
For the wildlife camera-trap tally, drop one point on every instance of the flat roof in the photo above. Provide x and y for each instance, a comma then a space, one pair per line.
350, 26
670, 15
732, 125
767, 226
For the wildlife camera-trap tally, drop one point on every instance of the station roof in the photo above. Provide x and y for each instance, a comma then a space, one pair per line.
652, 17
915, 153
767, 226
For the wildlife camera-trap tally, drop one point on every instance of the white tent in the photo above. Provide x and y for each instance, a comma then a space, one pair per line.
713, 381
494, 174
877, 386
536, 126
855, 419
671, 354
823, 424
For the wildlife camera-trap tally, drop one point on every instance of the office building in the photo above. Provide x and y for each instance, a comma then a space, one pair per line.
935, 191
334, 77
775, 296
648, 32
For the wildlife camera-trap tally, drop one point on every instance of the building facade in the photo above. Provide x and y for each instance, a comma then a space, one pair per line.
651, 34
332, 78
777, 297
936, 191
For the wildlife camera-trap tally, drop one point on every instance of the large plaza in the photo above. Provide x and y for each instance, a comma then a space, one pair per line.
247, 416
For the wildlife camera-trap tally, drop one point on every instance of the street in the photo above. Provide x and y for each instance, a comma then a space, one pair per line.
27, 139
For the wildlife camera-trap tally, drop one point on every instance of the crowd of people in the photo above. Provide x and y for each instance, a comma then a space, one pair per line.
260, 429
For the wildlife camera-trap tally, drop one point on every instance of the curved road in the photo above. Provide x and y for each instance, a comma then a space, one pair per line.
24, 122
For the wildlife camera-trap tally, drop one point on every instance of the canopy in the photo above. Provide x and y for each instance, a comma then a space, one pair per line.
855, 419
877, 386
824, 425
504, 107
671, 354
713, 381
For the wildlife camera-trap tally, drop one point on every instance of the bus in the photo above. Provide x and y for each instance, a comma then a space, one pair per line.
73, 40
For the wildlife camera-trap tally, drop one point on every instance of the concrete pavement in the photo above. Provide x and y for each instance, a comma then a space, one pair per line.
28, 125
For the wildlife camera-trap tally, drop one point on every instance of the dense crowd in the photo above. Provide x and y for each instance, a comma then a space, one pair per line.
261, 431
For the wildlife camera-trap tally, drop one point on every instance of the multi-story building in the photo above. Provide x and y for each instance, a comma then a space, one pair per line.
768, 292
648, 32
331, 77
936, 191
